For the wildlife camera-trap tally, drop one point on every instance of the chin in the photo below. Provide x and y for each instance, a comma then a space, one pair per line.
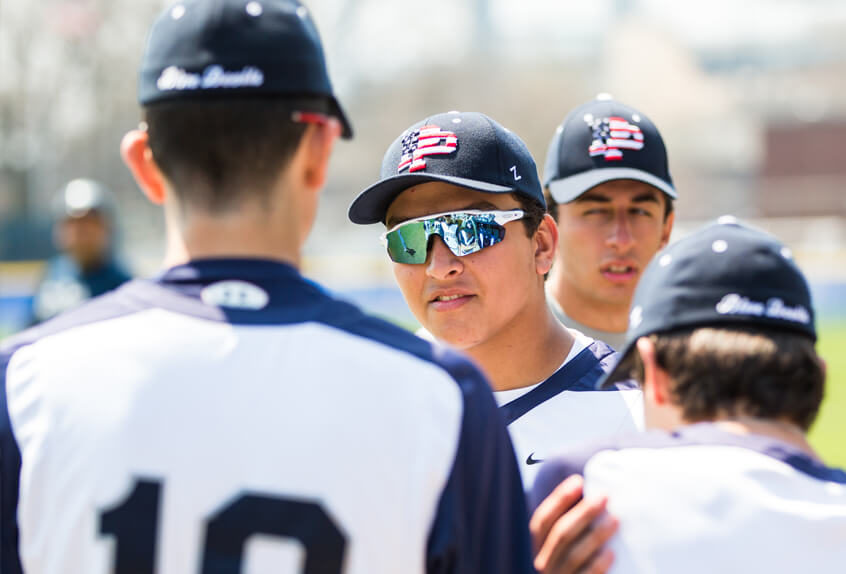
456, 337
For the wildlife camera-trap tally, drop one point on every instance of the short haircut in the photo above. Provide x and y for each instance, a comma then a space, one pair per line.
533, 213
731, 371
215, 152
552, 205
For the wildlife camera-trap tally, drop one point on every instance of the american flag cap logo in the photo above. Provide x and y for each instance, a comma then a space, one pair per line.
612, 135
423, 141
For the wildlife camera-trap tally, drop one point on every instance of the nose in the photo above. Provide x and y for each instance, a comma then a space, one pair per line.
441, 263
621, 237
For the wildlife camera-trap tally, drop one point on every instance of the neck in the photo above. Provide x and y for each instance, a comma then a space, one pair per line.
600, 315
248, 232
782, 430
525, 352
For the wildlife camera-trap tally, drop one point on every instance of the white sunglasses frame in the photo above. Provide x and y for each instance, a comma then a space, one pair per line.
500, 216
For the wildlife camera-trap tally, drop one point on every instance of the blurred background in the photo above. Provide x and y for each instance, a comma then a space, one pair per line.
750, 97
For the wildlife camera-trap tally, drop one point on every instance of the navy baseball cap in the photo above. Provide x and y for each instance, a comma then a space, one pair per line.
238, 49
724, 275
467, 149
604, 140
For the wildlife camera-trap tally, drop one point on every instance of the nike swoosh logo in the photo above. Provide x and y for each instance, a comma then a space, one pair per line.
531, 460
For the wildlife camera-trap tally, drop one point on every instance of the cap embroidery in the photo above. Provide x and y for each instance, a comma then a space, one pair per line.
775, 308
423, 141
612, 135
173, 78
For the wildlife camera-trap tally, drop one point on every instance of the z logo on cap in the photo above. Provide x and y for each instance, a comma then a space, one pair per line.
423, 141
612, 135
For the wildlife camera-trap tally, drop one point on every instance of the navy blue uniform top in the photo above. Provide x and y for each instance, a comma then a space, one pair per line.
166, 424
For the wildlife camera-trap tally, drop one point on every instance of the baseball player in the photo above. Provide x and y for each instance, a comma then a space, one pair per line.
83, 230
608, 186
229, 416
470, 242
721, 339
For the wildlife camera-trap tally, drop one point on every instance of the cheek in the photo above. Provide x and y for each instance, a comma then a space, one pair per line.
648, 236
410, 280
579, 243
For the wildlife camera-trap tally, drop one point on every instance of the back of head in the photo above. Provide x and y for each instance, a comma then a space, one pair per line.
731, 318
227, 88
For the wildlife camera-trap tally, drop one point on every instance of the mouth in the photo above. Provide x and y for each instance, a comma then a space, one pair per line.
448, 297
619, 272
449, 301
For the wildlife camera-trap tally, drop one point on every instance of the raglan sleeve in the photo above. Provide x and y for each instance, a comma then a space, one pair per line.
555, 471
481, 523
10, 464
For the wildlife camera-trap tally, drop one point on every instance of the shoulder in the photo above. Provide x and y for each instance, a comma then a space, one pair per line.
592, 363
574, 461
109, 306
394, 339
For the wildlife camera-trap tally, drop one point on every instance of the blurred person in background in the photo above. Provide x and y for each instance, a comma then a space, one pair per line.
608, 186
84, 232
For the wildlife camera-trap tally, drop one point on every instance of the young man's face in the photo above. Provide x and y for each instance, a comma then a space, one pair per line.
607, 237
467, 300
85, 239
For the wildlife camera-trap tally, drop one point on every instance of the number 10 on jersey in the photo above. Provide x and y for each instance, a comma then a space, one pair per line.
135, 522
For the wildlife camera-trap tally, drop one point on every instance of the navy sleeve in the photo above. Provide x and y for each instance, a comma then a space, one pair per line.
481, 523
10, 465
553, 472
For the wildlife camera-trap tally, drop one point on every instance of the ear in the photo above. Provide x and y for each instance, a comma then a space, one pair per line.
656, 381
546, 243
138, 157
316, 145
667, 229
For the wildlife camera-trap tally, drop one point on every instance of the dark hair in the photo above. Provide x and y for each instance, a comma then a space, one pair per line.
763, 373
216, 151
552, 205
533, 213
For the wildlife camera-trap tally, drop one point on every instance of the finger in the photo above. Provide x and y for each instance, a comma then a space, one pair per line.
586, 551
559, 501
564, 533
601, 563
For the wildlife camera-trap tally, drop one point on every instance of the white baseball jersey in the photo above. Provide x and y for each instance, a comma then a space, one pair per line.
566, 409
703, 500
230, 417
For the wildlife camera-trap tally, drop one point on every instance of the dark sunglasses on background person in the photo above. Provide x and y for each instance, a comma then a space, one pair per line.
463, 232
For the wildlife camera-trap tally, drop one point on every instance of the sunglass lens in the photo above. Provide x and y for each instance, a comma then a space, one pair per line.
489, 233
408, 244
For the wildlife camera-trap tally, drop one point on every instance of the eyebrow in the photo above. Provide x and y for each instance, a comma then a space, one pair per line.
645, 197
480, 205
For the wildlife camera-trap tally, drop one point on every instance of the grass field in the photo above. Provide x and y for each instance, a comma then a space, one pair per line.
828, 435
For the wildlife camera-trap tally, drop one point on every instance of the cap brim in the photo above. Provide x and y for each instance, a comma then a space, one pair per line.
620, 371
569, 188
371, 204
337, 111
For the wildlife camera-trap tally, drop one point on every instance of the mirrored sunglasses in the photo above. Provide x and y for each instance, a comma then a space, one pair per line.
463, 232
